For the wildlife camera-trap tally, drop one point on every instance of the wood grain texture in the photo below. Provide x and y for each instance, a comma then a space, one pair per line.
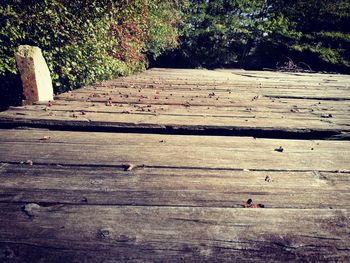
151, 150
103, 185
171, 187
175, 234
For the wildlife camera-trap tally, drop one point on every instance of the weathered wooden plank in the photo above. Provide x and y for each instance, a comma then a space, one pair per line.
189, 122
173, 233
44, 136
172, 187
202, 99
239, 100
188, 154
291, 112
237, 112
220, 96
238, 77
198, 94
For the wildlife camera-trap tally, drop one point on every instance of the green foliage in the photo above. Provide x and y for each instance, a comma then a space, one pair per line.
217, 33
10, 32
316, 29
163, 25
221, 33
85, 41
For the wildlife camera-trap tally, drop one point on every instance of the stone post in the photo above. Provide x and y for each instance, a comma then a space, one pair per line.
35, 74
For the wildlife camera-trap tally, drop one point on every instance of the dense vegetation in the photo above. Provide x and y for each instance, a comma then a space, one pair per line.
85, 41
261, 33
315, 31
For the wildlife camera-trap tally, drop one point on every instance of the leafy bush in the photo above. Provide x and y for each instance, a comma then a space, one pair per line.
85, 41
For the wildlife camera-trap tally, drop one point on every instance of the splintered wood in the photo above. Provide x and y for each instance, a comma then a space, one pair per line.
82, 188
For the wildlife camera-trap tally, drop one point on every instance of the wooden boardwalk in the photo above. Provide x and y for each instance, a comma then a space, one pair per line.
157, 167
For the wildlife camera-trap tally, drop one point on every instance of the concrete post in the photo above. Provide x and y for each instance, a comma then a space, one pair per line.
35, 74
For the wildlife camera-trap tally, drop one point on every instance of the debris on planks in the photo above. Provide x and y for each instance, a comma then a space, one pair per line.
28, 162
279, 149
29, 209
45, 138
326, 116
249, 204
109, 102
129, 167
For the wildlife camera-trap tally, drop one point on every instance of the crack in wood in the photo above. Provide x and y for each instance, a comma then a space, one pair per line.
144, 166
